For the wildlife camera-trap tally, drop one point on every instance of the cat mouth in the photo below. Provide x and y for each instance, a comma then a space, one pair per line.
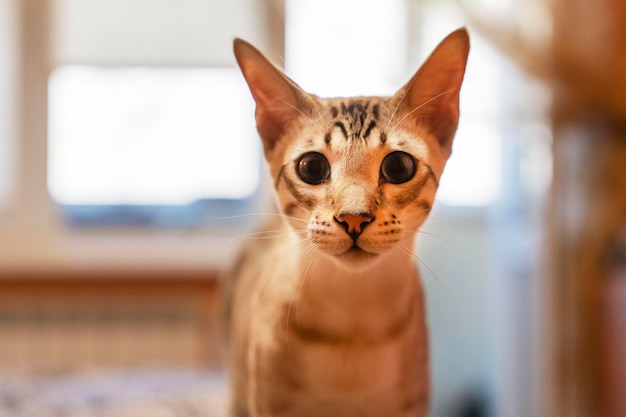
356, 252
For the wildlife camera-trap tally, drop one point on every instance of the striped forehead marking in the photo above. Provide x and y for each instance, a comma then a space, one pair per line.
355, 119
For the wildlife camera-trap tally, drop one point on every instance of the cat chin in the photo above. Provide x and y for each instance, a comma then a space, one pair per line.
356, 257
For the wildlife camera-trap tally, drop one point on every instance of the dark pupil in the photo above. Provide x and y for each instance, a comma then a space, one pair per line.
398, 167
313, 168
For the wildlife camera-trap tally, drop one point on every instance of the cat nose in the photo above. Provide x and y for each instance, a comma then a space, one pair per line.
354, 223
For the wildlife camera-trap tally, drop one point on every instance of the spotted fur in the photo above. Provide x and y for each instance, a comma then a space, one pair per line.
327, 314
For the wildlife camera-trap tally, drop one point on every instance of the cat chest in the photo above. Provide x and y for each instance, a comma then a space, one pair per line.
351, 356
388, 378
339, 356
352, 369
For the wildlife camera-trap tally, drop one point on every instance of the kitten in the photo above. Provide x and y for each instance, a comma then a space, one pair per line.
326, 315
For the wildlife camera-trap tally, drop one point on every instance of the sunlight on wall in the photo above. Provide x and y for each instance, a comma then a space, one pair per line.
346, 47
145, 135
472, 176
8, 57
181, 33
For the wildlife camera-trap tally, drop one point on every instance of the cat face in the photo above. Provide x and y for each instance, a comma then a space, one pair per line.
357, 177
360, 184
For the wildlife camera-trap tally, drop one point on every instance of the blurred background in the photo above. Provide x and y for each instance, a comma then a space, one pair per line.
130, 171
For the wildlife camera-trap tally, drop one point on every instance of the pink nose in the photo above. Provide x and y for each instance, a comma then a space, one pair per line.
354, 223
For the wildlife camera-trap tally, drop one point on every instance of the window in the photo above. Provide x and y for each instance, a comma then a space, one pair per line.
150, 145
149, 121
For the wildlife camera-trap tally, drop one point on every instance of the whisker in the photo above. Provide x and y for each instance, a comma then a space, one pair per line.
409, 252
418, 213
419, 107
430, 234
267, 234
304, 253
443, 239
299, 246
393, 114
414, 287
261, 214
295, 108
310, 256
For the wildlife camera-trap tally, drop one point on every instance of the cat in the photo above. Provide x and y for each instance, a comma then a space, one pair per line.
325, 314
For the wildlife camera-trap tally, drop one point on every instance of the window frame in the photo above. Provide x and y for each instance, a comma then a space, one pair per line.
201, 212
35, 234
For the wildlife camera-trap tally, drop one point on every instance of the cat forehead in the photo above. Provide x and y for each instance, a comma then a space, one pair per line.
356, 117
361, 121
356, 107
357, 125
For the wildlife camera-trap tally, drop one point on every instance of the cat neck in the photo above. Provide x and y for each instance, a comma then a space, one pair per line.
353, 303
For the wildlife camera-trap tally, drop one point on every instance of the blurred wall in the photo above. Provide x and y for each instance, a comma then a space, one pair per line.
153, 32
459, 279
8, 76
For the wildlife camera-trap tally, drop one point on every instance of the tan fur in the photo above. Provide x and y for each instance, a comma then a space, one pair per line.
321, 323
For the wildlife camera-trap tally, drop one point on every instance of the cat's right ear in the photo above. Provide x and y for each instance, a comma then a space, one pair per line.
279, 101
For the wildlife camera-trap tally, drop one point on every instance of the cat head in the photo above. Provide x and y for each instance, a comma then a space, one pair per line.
357, 177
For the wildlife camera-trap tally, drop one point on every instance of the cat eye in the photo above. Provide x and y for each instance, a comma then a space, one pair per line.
398, 167
313, 168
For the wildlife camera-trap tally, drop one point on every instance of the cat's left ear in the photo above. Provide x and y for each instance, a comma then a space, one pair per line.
279, 100
431, 98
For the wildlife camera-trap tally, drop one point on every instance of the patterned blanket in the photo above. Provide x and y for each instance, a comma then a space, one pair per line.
114, 394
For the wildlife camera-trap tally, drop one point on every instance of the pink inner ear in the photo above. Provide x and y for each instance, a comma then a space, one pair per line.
276, 111
270, 127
